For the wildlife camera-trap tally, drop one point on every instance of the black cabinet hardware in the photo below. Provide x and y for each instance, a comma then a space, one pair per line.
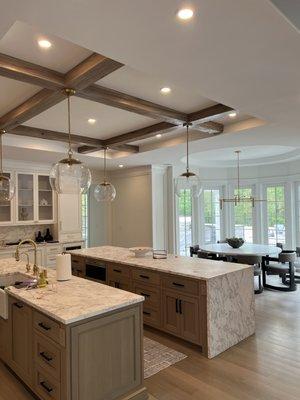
146, 313
117, 285
46, 387
45, 356
45, 327
180, 306
18, 305
176, 304
178, 284
144, 276
118, 270
145, 294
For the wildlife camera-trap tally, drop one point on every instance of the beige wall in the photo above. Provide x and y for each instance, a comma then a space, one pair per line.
131, 211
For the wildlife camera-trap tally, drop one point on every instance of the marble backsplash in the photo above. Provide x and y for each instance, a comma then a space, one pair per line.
14, 233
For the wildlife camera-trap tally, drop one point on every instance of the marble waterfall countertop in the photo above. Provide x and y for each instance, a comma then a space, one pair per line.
69, 301
190, 267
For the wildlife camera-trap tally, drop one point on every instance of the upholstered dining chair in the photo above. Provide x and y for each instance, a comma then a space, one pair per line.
256, 261
283, 266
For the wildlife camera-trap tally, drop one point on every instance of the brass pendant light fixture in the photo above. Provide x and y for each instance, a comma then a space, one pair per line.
238, 198
188, 180
69, 175
7, 187
105, 191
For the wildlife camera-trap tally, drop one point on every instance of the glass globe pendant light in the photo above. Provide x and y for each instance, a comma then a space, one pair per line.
188, 180
70, 176
105, 191
7, 187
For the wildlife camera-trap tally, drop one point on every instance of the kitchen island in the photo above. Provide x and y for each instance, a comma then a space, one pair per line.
73, 340
208, 303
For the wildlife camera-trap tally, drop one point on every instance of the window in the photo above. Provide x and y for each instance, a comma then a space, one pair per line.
212, 220
85, 218
276, 214
185, 222
243, 217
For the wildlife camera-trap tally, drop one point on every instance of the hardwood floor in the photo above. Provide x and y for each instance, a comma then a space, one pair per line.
263, 367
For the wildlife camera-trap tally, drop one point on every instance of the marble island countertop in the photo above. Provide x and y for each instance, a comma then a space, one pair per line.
185, 266
69, 301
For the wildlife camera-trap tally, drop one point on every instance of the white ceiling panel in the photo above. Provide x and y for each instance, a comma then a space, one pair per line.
21, 41
109, 121
13, 93
136, 83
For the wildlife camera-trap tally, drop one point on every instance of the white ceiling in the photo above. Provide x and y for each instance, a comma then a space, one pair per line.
245, 54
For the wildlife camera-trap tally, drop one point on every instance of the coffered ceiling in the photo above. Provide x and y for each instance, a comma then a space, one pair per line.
246, 57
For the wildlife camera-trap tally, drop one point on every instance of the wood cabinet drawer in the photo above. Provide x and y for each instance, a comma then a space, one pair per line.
49, 328
78, 261
45, 385
142, 275
118, 270
47, 355
180, 284
120, 282
151, 317
151, 294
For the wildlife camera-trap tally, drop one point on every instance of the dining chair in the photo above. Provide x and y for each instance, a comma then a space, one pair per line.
194, 250
256, 261
283, 266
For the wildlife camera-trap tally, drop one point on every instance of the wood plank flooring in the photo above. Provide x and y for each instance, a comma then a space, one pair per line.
263, 367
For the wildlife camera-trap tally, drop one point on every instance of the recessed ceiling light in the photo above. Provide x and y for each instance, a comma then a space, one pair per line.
232, 114
45, 44
158, 135
165, 90
91, 121
121, 166
185, 14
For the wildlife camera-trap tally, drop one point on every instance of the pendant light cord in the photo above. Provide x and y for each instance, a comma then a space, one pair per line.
187, 148
105, 164
70, 152
1, 154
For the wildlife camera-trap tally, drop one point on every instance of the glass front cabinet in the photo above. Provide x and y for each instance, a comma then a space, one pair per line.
33, 201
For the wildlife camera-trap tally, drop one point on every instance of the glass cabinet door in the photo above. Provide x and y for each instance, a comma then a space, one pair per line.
6, 208
25, 210
45, 199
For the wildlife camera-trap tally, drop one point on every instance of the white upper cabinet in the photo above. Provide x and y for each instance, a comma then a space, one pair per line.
25, 197
45, 199
7, 208
69, 217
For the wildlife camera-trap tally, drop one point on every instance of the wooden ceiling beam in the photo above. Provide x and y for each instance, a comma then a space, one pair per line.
209, 113
89, 71
139, 134
24, 71
28, 131
127, 148
210, 127
133, 104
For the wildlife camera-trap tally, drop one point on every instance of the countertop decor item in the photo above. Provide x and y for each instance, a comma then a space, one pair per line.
160, 254
105, 191
188, 181
7, 187
69, 175
238, 197
39, 237
63, 267
235, 243
140, 252
48, 237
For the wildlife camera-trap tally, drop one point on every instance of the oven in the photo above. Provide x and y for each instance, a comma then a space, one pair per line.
95, 270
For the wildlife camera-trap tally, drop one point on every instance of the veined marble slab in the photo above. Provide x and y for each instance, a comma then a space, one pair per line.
190, 267
69, 301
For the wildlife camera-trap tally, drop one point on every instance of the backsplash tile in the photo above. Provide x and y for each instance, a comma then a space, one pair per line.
14, 233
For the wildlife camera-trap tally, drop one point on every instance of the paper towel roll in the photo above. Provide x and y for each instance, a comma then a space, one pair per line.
63, 267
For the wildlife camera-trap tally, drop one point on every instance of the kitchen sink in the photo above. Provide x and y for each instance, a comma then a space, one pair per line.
10, 280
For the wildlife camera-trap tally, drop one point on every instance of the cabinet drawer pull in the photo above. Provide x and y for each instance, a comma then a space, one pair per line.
146, 313
43, 326
18, 305
45, 356
117, 285
144, 276
46, 387
178, 284
176, 305
117, 270
145, 294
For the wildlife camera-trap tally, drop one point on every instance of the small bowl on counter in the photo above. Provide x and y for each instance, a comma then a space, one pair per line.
140, 252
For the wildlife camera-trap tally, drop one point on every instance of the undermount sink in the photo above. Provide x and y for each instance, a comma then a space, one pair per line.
6, 281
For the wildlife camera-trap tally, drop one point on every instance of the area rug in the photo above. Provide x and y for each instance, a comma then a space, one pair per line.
158, 357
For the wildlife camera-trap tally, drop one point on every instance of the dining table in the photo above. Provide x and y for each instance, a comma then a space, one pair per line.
263, 250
